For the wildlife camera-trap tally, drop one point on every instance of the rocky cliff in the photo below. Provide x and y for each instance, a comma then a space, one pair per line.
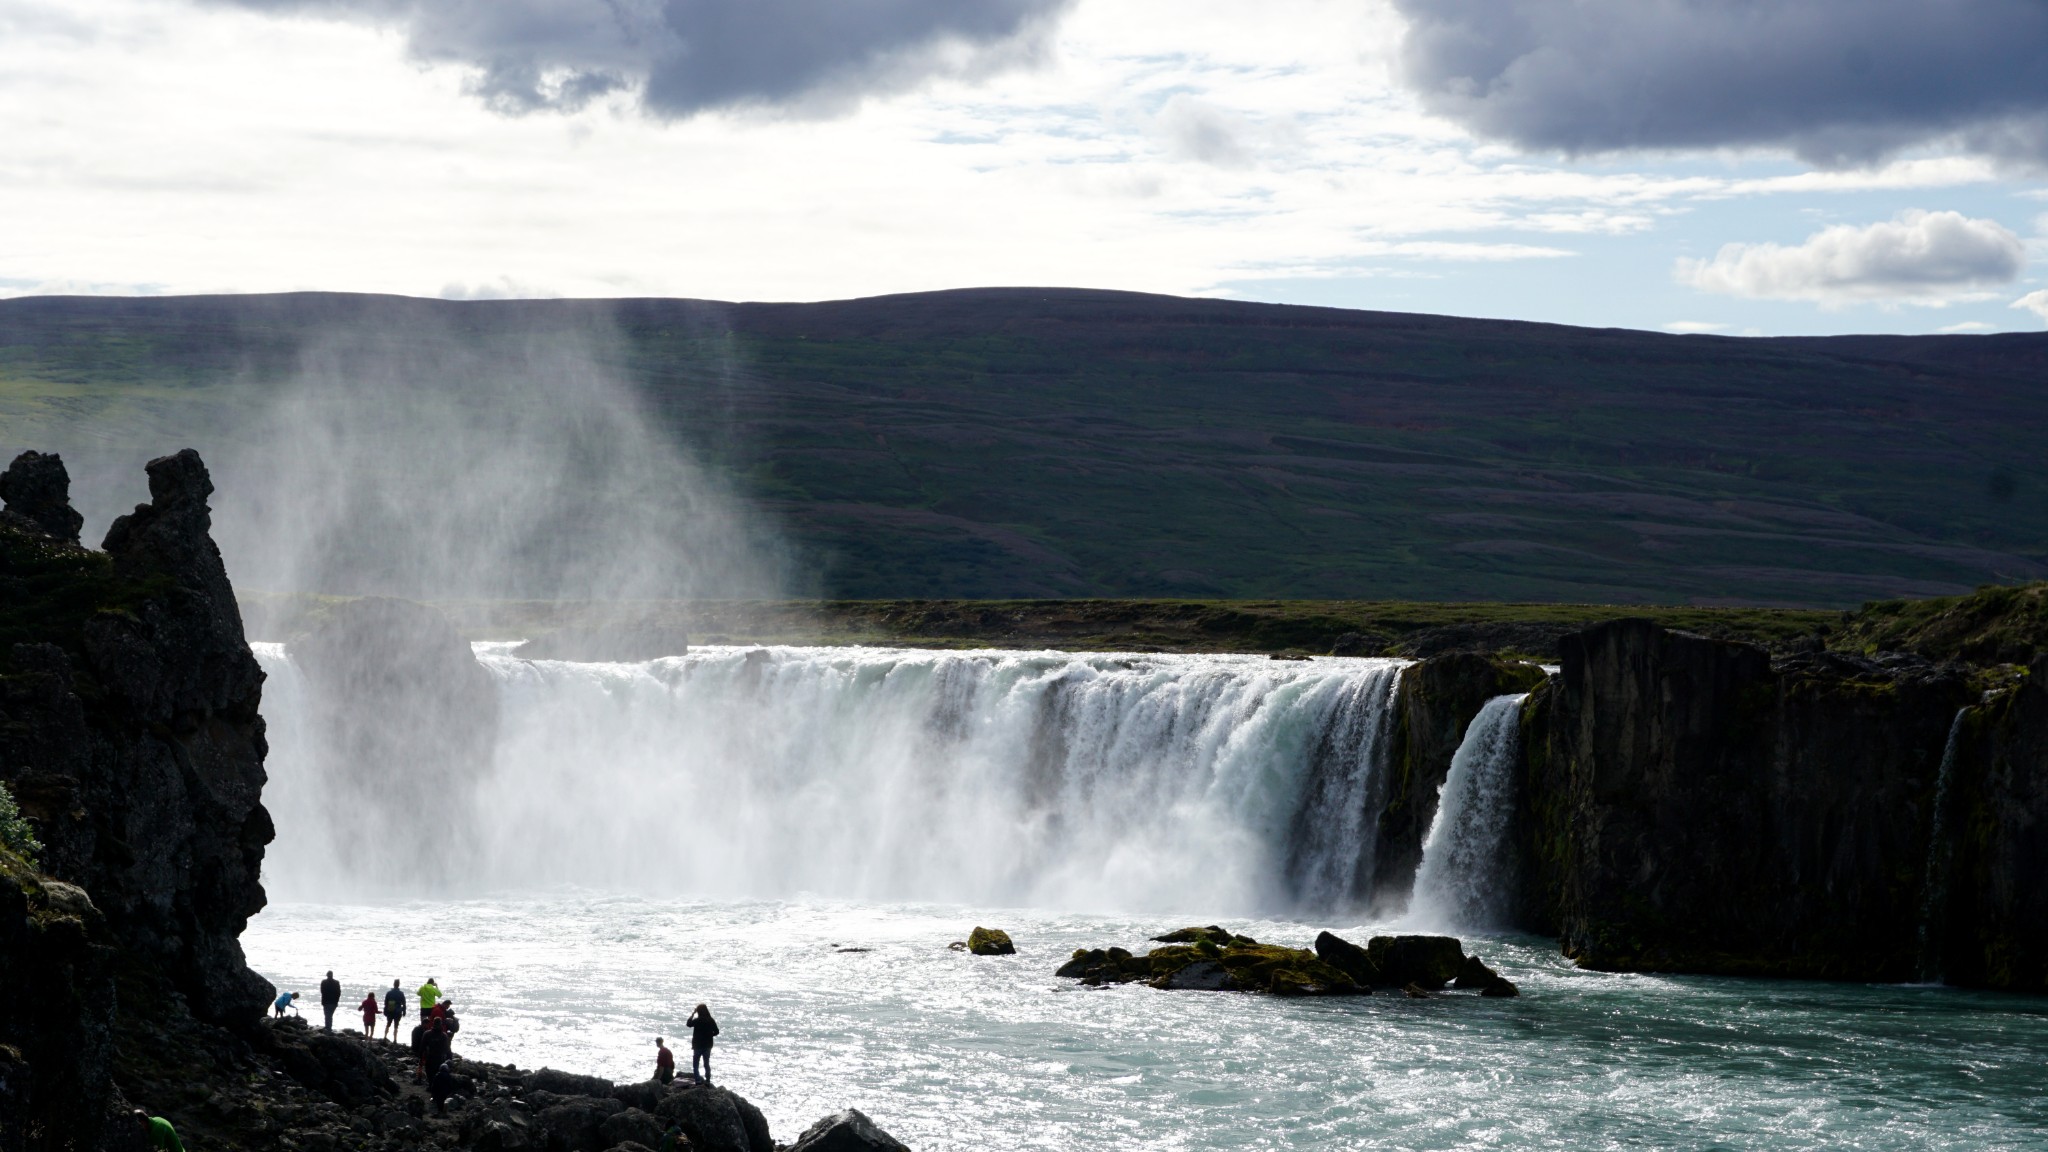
1689, 805
129, 734
1989, 907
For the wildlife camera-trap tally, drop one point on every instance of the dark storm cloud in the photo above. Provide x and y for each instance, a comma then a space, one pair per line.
687, 56
1840, 82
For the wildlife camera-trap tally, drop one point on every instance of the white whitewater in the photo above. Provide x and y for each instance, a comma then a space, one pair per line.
1461, 883
1225, 784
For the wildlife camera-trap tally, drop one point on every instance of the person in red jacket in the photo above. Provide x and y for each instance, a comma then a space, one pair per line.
369, 1010
664, 1062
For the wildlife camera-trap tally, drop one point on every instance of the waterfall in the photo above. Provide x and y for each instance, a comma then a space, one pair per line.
1227, 784
1934, 882
1463, 879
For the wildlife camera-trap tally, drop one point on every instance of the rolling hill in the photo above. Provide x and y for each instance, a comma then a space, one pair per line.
1017, 443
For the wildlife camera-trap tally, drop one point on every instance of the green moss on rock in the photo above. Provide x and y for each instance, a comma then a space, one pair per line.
990, 942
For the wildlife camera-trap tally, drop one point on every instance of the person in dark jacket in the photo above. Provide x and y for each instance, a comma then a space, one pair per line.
441, 1085
702, 1030
330, 999
394, 1010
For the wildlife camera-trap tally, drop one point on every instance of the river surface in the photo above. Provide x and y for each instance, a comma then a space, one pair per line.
951, 1051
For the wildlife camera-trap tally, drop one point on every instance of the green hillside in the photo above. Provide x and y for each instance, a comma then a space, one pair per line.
1057, 443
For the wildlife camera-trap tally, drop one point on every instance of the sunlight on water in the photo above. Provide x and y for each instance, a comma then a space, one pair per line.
950, 1051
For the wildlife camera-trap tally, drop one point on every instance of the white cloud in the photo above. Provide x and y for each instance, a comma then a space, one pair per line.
1917, 257
1693, 327
1966, 327
2035, 302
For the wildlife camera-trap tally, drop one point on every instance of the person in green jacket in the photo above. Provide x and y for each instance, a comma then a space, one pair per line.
429, 993
162, 1136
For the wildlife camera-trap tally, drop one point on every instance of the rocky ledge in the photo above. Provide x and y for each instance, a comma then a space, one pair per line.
328, 1091
1214, 959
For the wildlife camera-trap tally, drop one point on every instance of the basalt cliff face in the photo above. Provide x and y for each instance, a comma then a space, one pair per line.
129, 736
1989, 907
1690, 805
132, 738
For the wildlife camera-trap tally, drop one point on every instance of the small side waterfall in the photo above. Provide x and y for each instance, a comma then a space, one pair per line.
1940, 854
1224, 784
1462, 881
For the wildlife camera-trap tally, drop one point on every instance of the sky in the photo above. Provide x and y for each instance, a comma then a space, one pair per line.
1734, 166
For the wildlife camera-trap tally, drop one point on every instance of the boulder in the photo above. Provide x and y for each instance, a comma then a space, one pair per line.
1213, 934
710, 1116
847, 1131
990, 942
646, 1095
1474, 973
1348, 958
1428, 961
1501, 986
576, 1126
567, 1083
499, 1128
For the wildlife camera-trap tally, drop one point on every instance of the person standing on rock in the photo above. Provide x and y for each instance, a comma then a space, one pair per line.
664, 1062
394, 1010
330, 999
369, 1010
285, 1001
702, 1030
429, 993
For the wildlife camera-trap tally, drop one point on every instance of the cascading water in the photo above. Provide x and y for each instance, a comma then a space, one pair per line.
1934, 878
1226, 784
1462, 882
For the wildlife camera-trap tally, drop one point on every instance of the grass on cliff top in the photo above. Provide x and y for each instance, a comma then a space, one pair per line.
1997, 625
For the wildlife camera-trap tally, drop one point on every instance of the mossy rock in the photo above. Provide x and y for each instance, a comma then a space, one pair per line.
1212, 934
990, 942
1202, 962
